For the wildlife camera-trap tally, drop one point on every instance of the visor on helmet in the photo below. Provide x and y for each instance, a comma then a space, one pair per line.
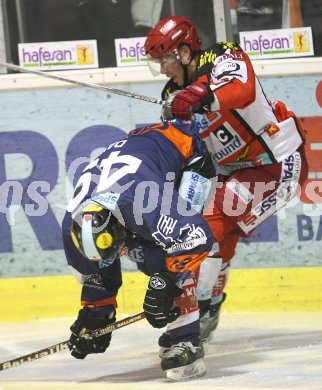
158, 66
97, 234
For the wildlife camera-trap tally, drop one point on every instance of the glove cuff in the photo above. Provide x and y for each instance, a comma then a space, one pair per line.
162, 279
209, 98
167, 113
100, 316
93, 318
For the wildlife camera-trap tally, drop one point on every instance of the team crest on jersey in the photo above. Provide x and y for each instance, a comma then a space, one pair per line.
192, 237
165, 227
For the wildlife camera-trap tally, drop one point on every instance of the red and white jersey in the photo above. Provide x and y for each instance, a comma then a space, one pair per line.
242, 128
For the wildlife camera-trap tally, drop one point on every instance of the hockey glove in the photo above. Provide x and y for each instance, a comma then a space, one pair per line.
182, 104
158, 304
81, 342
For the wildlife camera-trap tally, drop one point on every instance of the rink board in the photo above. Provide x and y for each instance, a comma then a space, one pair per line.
267, 290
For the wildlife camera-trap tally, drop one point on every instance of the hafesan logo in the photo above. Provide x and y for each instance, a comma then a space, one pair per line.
301, 42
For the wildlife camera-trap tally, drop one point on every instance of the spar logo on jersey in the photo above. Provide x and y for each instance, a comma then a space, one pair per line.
281, 194
291, 169
265, 209
194, 188
107, 200
205, 122
201, 122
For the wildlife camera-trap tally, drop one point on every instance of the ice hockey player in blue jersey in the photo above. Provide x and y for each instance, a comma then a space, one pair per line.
128, 201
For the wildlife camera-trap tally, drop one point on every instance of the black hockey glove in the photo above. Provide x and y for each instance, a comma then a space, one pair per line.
81, 342
158, 303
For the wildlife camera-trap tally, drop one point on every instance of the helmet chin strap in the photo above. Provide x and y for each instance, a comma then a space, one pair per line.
185, 75
186, 80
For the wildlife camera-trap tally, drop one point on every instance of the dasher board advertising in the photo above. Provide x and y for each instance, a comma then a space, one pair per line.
58, 55
282, 43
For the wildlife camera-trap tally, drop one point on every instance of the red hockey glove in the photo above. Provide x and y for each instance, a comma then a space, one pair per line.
181, 104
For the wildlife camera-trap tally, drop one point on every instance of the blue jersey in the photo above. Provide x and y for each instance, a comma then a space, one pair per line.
135, 178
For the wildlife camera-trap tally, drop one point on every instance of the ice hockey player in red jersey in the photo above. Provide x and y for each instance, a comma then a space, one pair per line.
256, 144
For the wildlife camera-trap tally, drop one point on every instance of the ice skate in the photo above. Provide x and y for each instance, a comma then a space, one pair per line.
164, 343
209, 321
184, 360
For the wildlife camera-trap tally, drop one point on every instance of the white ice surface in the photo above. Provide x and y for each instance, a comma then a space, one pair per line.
248, 351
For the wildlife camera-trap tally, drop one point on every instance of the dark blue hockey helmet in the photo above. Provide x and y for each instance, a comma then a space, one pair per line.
97, 233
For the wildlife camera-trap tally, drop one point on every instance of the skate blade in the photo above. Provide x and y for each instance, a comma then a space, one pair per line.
193, 370
162, 351
207, 339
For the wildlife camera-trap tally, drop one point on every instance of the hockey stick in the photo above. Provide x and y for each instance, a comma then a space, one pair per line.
61, 346
81, 83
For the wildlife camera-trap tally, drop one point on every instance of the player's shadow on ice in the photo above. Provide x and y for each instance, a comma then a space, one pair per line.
223, 355
244, 350
146, 374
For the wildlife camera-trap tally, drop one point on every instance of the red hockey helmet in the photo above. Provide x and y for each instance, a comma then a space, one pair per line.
167, 35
